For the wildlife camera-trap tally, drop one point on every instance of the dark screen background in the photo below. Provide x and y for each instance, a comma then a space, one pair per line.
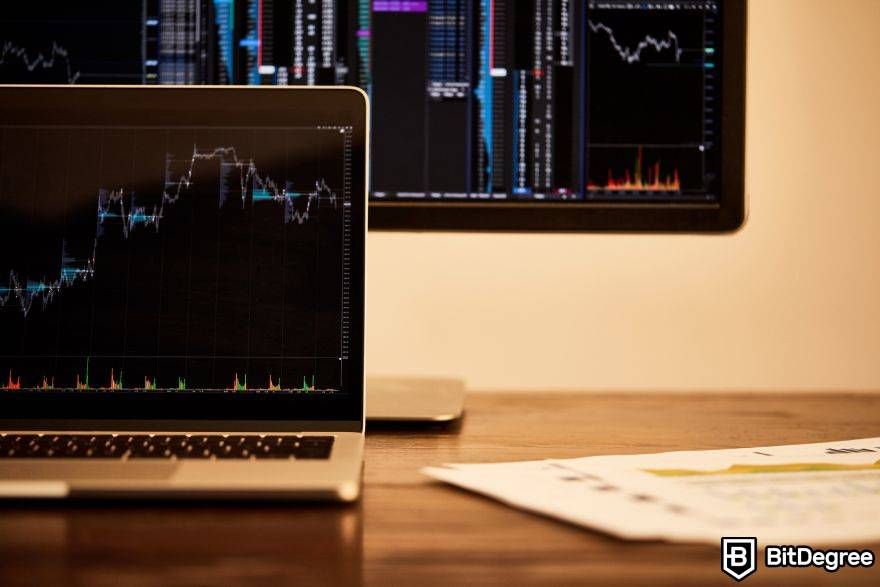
177, 260
473, 100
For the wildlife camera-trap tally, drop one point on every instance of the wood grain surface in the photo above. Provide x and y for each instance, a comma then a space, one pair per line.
409, 530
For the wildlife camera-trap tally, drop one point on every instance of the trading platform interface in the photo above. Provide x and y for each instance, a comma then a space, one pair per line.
175, 260
502, 100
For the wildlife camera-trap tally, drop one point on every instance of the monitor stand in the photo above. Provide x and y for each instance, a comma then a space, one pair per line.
414, 399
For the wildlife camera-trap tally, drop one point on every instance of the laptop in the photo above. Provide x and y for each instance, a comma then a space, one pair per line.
182, 292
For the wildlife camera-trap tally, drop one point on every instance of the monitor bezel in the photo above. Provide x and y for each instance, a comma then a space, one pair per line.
726, 215
189, 105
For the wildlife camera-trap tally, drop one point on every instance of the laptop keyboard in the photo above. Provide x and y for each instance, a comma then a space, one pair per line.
161, 446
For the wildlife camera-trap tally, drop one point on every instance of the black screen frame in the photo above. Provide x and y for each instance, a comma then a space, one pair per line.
727, 214
205, 105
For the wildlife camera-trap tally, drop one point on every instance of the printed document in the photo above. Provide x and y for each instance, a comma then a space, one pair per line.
824, 493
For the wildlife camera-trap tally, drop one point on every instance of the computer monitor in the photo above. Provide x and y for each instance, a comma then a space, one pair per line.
487, 114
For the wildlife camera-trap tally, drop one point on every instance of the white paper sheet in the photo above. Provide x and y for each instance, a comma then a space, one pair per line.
826, 493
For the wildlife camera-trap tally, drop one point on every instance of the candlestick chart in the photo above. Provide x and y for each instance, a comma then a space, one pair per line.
34, 63
56, 42
173, 261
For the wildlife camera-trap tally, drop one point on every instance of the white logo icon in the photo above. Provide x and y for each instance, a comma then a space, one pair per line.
739, 557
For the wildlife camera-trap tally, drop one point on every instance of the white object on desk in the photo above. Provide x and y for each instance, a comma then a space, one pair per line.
796, 494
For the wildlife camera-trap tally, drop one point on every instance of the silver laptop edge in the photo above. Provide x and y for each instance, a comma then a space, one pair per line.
336, 478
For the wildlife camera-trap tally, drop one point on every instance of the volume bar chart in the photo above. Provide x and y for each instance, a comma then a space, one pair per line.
640, 179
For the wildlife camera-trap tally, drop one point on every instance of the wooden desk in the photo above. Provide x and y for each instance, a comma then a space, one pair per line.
409, 530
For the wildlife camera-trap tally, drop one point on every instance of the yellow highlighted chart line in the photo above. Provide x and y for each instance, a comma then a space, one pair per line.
749, 469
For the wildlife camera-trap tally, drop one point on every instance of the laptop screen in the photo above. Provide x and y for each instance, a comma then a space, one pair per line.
190, 260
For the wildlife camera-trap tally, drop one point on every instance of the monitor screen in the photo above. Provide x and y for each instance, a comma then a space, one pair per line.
160, 257
601, 104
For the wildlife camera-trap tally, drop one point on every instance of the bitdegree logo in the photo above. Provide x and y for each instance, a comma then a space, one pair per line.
805, 556
739, 557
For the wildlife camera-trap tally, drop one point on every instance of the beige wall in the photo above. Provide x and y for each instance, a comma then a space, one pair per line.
790, 302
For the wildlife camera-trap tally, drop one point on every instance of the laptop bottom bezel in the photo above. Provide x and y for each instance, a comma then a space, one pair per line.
220, 426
